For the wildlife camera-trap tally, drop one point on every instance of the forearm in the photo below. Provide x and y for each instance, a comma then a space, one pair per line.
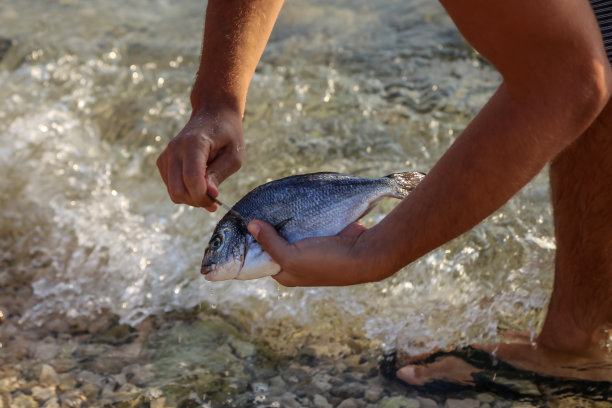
504, 147
235, 35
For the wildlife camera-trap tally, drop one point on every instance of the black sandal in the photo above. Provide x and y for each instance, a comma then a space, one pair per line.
498, 377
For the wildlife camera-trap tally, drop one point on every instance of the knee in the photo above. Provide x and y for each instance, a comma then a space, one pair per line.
574, 93
592, 88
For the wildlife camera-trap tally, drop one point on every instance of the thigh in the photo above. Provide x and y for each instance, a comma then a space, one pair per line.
531, 40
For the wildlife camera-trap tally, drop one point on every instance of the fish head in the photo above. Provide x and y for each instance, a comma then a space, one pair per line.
224, 255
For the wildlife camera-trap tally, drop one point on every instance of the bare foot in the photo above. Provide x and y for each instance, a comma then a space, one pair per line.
594, 364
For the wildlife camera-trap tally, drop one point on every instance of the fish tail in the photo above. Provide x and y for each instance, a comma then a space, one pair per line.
404, 183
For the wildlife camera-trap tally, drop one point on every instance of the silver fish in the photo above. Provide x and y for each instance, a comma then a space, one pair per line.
302, 206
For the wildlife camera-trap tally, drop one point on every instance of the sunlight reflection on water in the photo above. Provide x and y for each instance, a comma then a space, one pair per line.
89, 100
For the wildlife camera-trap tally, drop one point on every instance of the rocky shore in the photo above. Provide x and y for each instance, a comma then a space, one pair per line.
201, 358
205, 357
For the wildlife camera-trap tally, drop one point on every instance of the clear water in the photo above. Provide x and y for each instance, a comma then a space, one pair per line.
91, 92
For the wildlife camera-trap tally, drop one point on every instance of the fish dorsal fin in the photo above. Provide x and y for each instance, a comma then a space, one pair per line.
278, 227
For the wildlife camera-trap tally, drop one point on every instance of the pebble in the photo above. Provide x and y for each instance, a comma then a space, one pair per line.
320, 401
43, 393
135, 372
486, 397
462, 403
349, 390
45, 350
48, 376
373, 394
51, 403
289, 400
399, 402
349, 403
24, 401
295, 374
90, 390
427, 403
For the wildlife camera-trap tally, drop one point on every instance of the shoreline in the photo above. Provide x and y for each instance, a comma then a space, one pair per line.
200, 358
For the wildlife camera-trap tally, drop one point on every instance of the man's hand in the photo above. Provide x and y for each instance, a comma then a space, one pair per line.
319, 261
208, 150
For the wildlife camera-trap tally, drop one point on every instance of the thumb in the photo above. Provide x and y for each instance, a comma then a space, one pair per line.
223, 166
269, 240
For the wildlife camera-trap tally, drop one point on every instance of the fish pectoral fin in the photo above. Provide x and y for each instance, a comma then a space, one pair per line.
278, 227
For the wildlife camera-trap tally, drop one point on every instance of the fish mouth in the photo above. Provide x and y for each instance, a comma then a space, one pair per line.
207, 268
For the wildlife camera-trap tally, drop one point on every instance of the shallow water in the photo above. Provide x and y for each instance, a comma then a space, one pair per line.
91, 92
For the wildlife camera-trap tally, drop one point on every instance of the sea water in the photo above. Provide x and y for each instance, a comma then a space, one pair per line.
91, 93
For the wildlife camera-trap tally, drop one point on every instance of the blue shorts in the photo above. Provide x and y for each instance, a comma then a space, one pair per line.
603, 12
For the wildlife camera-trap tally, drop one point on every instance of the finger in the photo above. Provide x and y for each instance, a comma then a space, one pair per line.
222, 166
176, 188
161, 166
352, 230
194, 170
286, 279
270, 241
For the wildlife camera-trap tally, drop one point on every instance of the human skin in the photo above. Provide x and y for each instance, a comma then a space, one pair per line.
211, 145
556, 82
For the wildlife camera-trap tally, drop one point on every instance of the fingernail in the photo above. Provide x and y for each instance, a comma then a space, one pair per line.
254, 228
213, 179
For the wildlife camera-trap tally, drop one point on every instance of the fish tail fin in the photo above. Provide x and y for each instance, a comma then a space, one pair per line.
404, 183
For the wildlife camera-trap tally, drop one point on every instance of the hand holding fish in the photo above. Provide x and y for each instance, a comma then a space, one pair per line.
319, 261
313, 233
204, 153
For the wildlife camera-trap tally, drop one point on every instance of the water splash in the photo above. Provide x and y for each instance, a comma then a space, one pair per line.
87, 104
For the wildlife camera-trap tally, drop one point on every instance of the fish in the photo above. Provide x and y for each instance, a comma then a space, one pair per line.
299, 207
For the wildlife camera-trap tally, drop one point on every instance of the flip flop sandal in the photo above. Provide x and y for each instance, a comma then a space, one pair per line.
498, 377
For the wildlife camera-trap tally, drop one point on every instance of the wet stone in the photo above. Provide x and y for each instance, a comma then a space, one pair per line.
63, 365
90, 390
349, 390
45, 351
9, 384
277, 382
321, 383
43, 393
349, 403
373, 394
48, 375
289, 400
320, 401
242, 349
486, 398
399, 402
295, 374
72, 398
465, 403
24, 401
427, 403
88, 377
51, 403
67, 381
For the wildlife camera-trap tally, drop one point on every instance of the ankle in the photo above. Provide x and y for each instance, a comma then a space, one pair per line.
565, 336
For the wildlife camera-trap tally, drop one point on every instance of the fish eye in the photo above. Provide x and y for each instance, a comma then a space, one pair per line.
216, 242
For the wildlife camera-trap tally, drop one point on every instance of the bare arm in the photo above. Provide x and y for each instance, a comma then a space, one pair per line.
556, 80
211, 146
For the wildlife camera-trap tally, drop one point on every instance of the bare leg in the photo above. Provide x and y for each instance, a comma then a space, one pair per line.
572, 342
581, 184
538, 43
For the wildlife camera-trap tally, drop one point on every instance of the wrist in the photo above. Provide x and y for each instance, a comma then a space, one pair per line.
373, 262
207, 99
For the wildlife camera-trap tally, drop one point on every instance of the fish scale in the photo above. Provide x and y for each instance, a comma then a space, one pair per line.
302, 206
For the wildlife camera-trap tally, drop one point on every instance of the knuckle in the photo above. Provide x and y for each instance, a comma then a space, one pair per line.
178, 197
